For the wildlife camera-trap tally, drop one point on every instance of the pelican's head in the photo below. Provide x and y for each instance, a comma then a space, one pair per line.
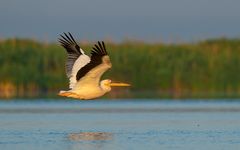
107, 84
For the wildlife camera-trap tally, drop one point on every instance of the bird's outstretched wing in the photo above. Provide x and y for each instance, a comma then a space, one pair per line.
100, 62
76, 58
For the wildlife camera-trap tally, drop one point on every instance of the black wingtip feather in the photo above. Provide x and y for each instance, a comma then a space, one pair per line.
72, 38
61, 41
64, 38
67, 41
104, 46
99, 49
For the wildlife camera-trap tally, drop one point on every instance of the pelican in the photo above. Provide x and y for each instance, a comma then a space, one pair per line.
84, 73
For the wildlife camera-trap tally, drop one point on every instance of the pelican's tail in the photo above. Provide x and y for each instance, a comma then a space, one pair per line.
68, 94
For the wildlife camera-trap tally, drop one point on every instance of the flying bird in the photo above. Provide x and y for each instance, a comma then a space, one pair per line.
84, 72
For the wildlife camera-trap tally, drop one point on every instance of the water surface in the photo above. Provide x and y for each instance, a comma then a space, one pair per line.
119, 124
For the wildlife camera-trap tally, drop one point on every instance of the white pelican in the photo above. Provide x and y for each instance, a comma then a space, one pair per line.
84, 73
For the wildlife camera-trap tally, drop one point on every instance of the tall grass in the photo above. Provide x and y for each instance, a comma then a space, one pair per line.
207, 69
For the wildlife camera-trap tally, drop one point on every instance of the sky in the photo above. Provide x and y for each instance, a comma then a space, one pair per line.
118, 20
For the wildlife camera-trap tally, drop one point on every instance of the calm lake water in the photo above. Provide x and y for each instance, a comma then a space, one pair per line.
119, 125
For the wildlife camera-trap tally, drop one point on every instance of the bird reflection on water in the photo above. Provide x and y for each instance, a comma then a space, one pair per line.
90, 136
91, 140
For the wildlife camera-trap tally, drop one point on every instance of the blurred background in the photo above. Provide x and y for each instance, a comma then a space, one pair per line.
182, 58
164, 48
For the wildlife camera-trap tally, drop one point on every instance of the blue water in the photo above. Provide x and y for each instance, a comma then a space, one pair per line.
119, 125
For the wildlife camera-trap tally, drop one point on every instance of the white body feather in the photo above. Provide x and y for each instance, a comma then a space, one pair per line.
79, 63
88, 87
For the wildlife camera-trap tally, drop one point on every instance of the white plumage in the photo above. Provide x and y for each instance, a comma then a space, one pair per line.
84, 73
79, 63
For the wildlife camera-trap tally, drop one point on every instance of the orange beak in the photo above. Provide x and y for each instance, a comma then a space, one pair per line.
119, 84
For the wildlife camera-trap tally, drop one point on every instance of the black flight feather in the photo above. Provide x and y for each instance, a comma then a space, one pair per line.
73, 51
98, 51
69, 43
